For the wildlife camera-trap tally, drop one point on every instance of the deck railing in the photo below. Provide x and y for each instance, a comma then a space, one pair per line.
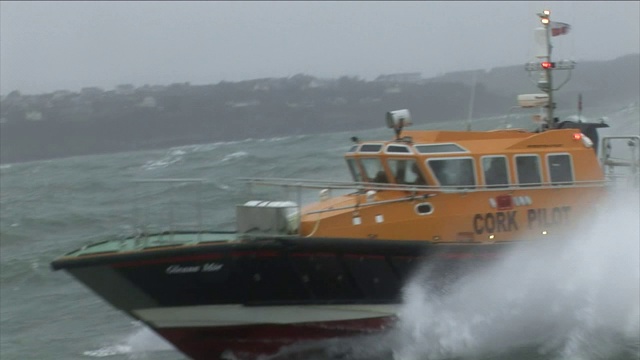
294, 189
170, 226
614, 162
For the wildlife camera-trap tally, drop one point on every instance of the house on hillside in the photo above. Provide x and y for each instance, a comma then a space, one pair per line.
125, 89
414, 78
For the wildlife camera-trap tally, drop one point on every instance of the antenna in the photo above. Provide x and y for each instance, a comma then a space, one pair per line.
472, 100
580, 107
546, 65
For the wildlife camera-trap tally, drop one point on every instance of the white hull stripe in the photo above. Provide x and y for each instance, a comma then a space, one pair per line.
228, 315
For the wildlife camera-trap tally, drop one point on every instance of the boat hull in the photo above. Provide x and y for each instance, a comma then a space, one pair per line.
252, 339
262, 295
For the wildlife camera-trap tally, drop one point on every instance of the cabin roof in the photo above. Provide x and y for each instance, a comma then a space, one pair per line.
495, 141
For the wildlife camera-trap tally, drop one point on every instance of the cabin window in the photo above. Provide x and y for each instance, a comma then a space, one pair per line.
456, 172
528, 170
355, 170
406, 171
398, 149
560, 169
373, 170
439, 148
495, 171
370, 148
353, 148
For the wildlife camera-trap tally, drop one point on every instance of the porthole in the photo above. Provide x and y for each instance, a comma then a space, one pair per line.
424, 209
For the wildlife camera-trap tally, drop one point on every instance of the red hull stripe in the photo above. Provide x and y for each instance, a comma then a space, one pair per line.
356, 256
319, 254
248, 342
217, 256
462, 256
169, 260
203, 257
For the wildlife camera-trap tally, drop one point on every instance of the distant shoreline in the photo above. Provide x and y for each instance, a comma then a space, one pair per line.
94, 121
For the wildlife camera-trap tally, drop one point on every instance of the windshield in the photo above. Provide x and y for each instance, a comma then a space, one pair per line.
453, 172
406, 171
355, 170
373, 170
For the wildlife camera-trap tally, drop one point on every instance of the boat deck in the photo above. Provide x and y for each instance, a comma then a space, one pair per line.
153, 241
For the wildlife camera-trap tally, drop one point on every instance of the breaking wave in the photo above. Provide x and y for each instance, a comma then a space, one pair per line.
575, 299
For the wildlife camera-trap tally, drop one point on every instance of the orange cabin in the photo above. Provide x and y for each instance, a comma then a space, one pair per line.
454, 186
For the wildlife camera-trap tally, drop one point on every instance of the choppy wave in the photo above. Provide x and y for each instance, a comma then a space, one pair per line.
171, 157
141, 343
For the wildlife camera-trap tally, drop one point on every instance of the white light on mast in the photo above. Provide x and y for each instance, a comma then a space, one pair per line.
544, 17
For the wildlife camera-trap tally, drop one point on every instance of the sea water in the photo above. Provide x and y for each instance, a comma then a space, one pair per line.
578, 300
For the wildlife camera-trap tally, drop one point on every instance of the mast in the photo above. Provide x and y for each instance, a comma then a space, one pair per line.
544, 19
546, 66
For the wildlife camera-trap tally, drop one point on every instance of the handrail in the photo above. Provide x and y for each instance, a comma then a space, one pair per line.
360, 205
329, 184
171, 221
609, 163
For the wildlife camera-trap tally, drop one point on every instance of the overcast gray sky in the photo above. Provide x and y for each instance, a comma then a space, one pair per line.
46, 46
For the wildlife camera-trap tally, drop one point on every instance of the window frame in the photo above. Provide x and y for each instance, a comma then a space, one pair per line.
353, 165
508, 169
409, 151
571, 168
415, 161
370, 152
540, 175
366, 174
462, 187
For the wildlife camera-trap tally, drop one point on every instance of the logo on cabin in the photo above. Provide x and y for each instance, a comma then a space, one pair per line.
506, 221
495, 222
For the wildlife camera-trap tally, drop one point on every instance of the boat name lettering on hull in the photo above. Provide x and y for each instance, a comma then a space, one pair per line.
547, 217
500, 221
179, 269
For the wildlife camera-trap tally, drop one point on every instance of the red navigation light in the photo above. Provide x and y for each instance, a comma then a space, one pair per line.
548, 65
577, 136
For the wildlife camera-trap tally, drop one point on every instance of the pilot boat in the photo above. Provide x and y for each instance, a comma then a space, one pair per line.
450, 200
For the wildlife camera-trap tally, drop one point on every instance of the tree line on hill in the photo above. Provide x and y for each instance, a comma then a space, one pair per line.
92, 121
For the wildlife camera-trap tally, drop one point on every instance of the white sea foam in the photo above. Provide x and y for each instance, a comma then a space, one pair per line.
572, 300
213, 146
172, 157
235, 155
106, 351
136, 345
